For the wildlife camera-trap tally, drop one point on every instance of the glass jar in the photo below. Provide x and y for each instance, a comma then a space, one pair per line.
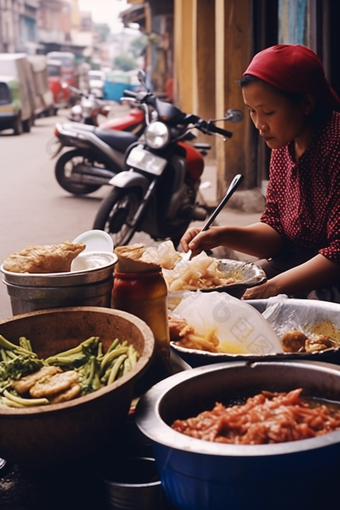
144, 294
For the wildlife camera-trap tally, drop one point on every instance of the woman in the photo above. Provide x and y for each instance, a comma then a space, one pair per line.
298, 237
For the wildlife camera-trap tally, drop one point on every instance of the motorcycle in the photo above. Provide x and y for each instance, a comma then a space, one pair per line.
86, 111
98, 152
157, 195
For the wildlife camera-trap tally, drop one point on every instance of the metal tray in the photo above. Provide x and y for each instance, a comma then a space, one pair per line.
290, 309
252, 276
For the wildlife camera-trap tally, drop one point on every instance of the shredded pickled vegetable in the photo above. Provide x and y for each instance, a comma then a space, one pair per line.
264, 419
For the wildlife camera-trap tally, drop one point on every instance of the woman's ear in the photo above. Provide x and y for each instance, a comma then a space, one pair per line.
308, 103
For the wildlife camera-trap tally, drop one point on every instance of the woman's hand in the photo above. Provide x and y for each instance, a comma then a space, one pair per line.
266, 290
196, 240
313, 274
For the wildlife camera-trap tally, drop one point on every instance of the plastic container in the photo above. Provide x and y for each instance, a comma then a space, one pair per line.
95, 240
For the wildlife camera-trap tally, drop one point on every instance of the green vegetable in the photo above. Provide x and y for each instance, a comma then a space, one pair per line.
133, 356
94, 368
127, 366
77, 356
16, 368
89, 376
17, 349
113, 345
25, 344
25, 402
116, 367
109, 356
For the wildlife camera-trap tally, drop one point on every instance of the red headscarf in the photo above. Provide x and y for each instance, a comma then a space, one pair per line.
295, 69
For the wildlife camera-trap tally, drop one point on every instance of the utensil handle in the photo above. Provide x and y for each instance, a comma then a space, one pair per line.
232, 187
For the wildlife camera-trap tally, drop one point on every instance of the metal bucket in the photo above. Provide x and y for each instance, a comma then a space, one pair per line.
29, 292
134, 485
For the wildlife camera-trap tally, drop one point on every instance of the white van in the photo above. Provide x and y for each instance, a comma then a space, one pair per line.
19, 89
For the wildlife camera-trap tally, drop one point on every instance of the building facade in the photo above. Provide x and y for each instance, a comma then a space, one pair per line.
211, 45
18, 25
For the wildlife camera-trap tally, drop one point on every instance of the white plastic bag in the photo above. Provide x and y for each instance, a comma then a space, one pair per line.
239, 326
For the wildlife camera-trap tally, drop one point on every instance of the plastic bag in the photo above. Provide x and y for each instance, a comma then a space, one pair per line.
284, 315
239, 327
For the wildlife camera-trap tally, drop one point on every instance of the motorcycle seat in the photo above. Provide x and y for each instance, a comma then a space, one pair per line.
120, 140
78, 126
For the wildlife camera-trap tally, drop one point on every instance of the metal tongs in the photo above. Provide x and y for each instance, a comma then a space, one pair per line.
232, 187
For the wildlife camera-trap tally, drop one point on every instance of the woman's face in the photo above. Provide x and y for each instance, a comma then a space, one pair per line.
277, 118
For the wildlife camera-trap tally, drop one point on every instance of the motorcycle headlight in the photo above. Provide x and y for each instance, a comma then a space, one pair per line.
87, 108
156, 135
76, 110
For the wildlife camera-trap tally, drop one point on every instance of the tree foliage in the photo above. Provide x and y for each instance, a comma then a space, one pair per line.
124, 63
103, 30
138, 45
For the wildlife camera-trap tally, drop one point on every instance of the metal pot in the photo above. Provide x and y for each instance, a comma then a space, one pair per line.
29, 292
199, 475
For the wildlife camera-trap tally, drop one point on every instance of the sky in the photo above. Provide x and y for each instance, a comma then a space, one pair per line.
105, 11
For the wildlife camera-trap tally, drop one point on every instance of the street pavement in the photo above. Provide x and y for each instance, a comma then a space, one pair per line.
35, 210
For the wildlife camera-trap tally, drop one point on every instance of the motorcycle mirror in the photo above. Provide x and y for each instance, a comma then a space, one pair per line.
64, 85
233, 115
141, 76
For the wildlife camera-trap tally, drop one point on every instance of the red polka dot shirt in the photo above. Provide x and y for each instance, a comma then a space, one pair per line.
303, 197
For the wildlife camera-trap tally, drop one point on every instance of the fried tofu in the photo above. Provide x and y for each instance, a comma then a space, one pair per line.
51, 385
66, 395
24, 384
55, 258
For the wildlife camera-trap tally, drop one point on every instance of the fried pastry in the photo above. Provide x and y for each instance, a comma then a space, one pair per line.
133, 252
293, 341
51, 385
130, 259
25, 383
66, 395
54, 258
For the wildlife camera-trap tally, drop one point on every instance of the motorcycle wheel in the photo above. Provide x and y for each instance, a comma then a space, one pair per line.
63, 172
115, 214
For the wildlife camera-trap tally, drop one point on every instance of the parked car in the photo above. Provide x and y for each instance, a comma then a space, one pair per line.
16, 93
10, 105
43, 95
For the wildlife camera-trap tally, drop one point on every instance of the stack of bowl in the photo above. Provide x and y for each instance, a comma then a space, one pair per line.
90, 284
